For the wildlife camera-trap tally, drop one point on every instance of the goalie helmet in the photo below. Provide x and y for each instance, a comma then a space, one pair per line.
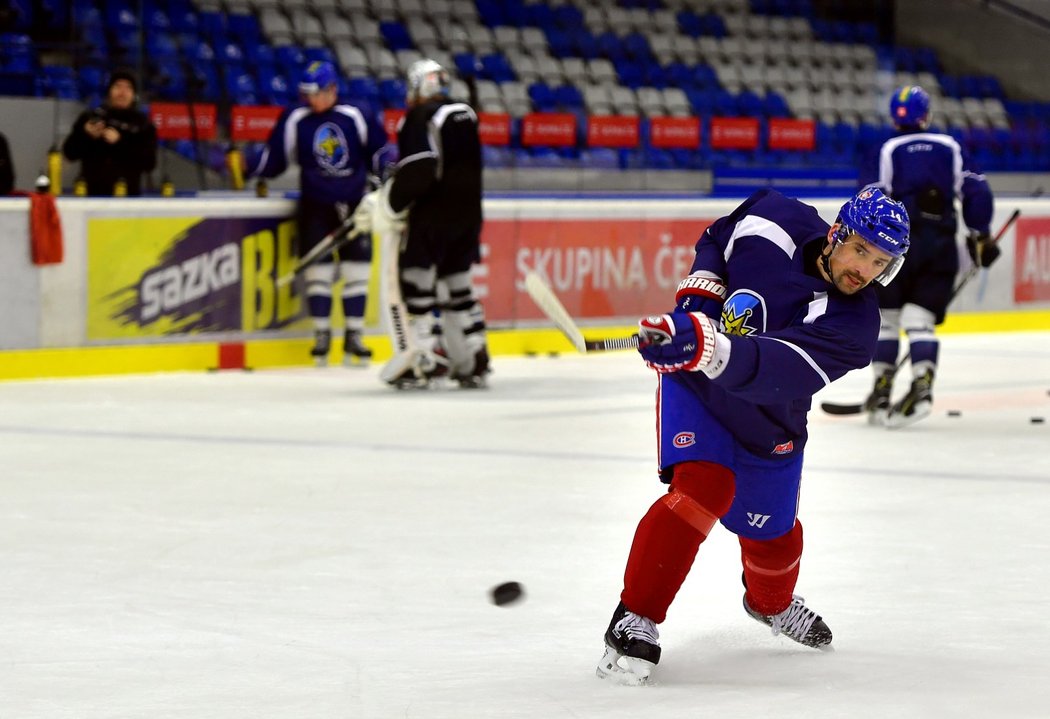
317, 76
910, 107
427, 78
881, 221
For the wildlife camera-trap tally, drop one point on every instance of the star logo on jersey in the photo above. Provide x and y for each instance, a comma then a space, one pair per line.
330, 148
744, 313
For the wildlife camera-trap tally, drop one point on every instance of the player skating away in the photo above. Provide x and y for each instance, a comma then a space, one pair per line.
336, 145
926, 171
437, 189
778, 305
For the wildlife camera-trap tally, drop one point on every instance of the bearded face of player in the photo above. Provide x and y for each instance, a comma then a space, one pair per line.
853, 263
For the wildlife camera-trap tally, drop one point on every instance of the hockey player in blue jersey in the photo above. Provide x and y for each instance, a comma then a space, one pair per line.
777, 306
336, 147
926, 171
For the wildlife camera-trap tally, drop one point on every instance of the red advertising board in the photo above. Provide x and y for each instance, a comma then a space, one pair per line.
391, 120
792, 134
494, 128
1032, 260
557, 129
612, 131
734, 133
599, 268
252, 123
675, 132
172, 120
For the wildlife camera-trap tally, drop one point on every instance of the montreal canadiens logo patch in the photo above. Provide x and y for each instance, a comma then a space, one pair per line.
684, 439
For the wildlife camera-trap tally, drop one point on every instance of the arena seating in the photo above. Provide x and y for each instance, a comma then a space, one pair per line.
763, 59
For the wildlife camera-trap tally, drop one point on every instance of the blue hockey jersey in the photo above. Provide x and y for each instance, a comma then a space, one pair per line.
792, 332
927, 171
335, 151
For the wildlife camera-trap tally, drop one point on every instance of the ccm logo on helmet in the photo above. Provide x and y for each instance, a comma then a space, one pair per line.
684, 439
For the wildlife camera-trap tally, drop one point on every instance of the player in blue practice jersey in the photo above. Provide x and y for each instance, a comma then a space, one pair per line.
926, 171
777, 306
336, 147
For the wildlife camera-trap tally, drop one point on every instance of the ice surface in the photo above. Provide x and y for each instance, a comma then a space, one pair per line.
308, 543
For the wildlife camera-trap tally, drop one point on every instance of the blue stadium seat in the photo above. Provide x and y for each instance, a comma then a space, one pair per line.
629, 72
610, 47
774, 105
689, 23
396, 35
543, 97
586, 44
637, 46
569, 17
365, 89
392, 93
560, 42
749, 104
490, 13
495, 67
244, 29
568, 97
539, 15
467, 64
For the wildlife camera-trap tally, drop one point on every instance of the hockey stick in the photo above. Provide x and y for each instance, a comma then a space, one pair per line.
331, 242
547, 301
858, 408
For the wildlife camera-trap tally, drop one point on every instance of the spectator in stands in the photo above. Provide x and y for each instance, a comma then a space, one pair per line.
115, 143
336, 146
437, 189
925, 171
7, 169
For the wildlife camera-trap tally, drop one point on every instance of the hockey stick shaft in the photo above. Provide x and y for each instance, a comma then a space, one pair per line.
858, 408
329, 243
555, 311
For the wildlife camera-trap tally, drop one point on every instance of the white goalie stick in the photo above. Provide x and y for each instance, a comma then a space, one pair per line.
547, 301
858, 407
331, 242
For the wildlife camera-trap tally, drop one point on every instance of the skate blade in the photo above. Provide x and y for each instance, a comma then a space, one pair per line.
878, 417
627, 671
321, 361
898, 421
355, 361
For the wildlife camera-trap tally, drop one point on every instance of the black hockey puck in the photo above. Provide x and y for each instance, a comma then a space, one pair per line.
507, 593
954, 413
1037, 420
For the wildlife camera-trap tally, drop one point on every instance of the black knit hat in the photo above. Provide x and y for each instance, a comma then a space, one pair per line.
122, 75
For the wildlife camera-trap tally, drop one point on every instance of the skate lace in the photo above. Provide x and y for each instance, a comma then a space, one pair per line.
796, 620
635, 626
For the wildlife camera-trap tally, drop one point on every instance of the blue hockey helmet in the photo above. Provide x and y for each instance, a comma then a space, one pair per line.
910, 107
317, 76
880, 221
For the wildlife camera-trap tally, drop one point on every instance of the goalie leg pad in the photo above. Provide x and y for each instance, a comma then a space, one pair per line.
669, 535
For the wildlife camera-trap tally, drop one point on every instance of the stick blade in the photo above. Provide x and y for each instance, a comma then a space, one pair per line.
547, 301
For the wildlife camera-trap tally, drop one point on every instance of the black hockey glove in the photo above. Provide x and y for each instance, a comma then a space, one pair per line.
983, 251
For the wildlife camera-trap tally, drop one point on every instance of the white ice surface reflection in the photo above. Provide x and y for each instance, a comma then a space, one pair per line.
308, 543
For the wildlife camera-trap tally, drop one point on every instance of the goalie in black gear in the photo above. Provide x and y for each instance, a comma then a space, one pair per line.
438, 183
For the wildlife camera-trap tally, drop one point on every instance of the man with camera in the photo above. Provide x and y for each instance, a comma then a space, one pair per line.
115, 143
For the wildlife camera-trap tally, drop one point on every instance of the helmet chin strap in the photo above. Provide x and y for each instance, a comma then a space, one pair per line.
825, 257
